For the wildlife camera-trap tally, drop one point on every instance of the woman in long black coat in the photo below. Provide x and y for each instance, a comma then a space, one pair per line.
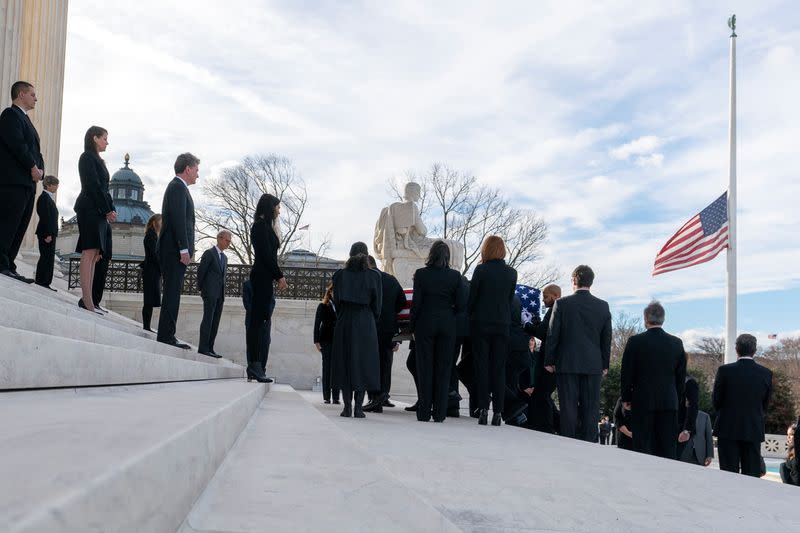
94, 209
265, 272
491, 293
355, 364
324, 326
437, 300
151, 271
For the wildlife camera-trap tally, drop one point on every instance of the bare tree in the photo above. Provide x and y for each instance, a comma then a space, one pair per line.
712, 347
785, 354
233, 197
454, 205
624, 327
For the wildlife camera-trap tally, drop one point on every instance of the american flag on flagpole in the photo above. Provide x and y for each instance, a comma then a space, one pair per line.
698, 241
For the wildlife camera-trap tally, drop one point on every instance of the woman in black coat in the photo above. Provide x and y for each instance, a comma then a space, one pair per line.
355, 364
622, 421
324, 326
94, 209
151, 271
491, 293
437, 300
265, 271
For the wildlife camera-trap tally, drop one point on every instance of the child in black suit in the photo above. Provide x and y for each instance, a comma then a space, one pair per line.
47, 231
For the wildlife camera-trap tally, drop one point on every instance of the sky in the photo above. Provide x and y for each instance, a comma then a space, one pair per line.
610, 119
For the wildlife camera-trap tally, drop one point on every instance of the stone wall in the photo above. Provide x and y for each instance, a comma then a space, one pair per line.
293, 358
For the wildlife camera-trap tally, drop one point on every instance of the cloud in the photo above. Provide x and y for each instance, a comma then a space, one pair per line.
642, 146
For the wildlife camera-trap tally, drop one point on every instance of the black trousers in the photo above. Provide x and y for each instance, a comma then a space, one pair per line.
386, 354
259, 332
514, 403
654, 433
212, 311
411, 363
47, 257
579, 403
466, 373
16, 208
739, 456
491, 350
541, 408
172, 272
434, 352
327, 348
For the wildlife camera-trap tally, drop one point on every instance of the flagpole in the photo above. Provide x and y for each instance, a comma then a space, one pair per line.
730, 303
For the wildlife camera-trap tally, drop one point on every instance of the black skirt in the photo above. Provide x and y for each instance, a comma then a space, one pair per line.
93, 231
151, 285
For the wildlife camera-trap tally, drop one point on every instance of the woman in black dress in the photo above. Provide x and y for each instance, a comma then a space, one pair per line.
491, 293
438, 298
355, 364
151, 271
95, 209
324, 326
265, 271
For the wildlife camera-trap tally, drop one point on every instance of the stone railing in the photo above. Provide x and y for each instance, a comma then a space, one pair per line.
774, 446
305, 283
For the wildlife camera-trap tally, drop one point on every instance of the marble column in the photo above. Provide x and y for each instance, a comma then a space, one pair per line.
43, 43
10, 26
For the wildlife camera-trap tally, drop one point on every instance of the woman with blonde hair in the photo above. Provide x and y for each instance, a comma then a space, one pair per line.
491, 295
151, 271
324, 325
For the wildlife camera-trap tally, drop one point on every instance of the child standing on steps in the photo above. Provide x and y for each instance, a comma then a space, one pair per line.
324, 324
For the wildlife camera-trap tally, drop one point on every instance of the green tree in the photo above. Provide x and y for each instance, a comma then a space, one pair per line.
610, 388
704, 386
781, 412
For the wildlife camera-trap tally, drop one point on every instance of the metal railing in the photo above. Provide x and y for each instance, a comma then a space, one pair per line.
305, 283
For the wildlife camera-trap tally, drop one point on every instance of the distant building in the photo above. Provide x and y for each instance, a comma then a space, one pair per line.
133, 212
304, 259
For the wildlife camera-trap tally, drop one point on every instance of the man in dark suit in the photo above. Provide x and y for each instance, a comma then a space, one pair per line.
211, 283
392, 302
653, 375
688, 407
21, 167
541, 407
578, 351
741, 397
175, 246
47, 231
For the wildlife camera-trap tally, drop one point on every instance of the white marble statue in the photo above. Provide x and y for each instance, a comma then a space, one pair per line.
401, 241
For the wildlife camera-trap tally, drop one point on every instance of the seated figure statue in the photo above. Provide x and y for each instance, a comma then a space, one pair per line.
401, 241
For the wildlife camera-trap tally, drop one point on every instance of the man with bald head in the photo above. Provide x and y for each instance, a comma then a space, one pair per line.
541, 408
211, 283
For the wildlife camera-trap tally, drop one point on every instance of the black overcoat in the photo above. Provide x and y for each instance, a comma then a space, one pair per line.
355, 364
151, 271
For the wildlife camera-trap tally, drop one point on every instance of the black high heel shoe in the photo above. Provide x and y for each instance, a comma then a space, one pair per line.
483, 415
262, 379
347, 411
496, 419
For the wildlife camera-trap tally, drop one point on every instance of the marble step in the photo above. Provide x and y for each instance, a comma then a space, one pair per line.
66, 302
36, 360
293, 470
75, 323
121, 459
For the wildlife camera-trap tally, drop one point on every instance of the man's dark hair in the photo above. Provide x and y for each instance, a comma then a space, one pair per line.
358, 248
19, 87
185, 161
746, 345
371, 261
439, 256
583, 276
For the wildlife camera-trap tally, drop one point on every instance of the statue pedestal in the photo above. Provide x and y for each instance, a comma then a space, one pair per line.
404, 266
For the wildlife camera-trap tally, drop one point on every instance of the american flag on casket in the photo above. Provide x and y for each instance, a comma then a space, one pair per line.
530, 297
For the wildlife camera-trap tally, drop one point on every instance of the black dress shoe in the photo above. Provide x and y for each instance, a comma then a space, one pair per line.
326, 401
483, 415
358, 412
453, 412
215, 354
14, 275
177, 344
387, 403
347, 412
260, 379
412, 408
373, 407
210, 354
336, 402
497, 419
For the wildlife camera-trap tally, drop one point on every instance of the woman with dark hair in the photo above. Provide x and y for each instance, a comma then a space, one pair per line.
151, 271
355, 365
491, 294
324, 326
790, 469
265, 241
94, 208
437, 300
